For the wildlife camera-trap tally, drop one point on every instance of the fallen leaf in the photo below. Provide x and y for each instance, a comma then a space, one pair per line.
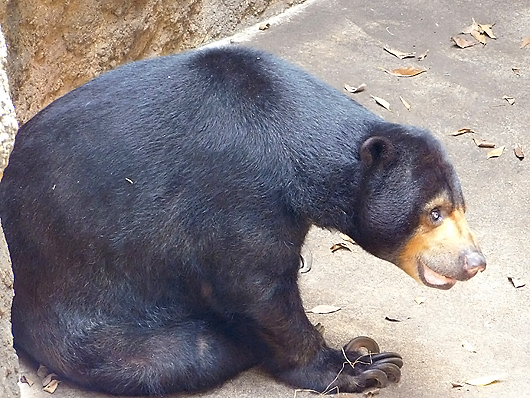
462, 42
457, 384
306, 261
27, 380
483, 144
405, 103
517, 283
324, 309
264, 26
423, 56
486, 28
479, 36
52, 386
462, 131
495, 153
395, 319
484, 380
352, 89
518, 150
346, 238
510, 100
320, 328
526, 42
339, 246
385, 104
516, 70
42, 371
399, 54
467, 346
371, 392
408, 71
473, 27
420, 300
48, 379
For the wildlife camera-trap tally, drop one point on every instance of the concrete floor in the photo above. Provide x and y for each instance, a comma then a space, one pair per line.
342, 41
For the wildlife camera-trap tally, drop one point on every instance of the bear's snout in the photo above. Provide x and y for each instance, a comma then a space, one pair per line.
438, 255
472, 261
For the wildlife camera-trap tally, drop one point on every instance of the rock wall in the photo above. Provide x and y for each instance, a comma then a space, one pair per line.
8, 358
57, 45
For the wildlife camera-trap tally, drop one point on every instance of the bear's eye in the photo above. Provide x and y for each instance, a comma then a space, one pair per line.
436, 216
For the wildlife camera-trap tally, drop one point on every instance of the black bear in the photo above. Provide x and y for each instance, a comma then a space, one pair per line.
155, 218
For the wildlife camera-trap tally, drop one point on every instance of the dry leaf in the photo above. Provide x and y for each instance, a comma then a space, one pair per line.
399, 54
483, 144
324, 309
27, 380
339, 246
392, 319
42, 371
462, 131
385, 104
526, 42
370, 393
408, 71
510, 100
347, 238
486, 28
52, 386
473, 27
462, 42
457, 384
484, 380
517, 283
352, 89
320, 328
48, 379
467, 346
405, 103
420, 300
479, 36
306, 261
518, 150
495, 153
516, 70
423, 56
264, 26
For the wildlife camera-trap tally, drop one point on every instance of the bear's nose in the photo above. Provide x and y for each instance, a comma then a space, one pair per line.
473, 261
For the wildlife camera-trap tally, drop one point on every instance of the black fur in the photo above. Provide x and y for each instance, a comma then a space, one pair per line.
155, 217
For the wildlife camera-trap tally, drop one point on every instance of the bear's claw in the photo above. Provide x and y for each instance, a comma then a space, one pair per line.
381, 373
381, 368
374, 374
392, 371
362, 342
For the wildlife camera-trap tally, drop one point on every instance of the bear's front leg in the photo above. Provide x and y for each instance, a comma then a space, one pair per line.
299, 356
348, 370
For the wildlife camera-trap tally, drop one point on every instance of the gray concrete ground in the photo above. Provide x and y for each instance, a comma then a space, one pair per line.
342, 42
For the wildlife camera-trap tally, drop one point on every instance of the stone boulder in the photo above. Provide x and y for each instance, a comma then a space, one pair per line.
8, 129
55, 46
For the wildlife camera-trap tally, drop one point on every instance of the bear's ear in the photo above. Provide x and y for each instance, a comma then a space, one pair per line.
375, 151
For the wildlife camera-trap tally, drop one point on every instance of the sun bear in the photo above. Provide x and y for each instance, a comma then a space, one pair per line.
155, 218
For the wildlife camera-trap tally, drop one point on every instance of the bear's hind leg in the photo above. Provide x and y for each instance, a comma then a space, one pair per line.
133, 360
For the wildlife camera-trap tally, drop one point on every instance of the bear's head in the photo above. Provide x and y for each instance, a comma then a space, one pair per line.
410, 208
